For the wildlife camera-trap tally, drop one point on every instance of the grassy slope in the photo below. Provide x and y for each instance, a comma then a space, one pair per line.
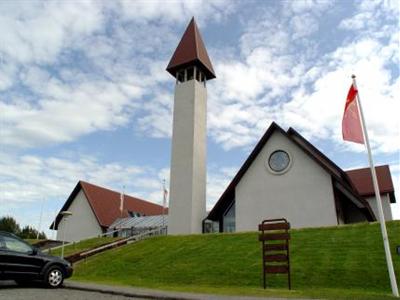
83, 245
335, 258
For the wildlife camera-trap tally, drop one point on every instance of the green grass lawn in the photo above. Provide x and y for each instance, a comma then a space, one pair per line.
345, 262
83, 245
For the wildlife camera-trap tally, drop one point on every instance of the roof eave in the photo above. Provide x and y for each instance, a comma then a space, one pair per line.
208, 72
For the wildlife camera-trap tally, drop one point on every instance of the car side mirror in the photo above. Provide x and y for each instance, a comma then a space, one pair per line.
34, 251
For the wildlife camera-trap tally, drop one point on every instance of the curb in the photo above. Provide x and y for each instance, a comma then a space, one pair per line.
138, 294
120, 293
155, 294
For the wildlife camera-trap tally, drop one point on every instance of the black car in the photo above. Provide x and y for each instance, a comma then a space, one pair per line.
21, 262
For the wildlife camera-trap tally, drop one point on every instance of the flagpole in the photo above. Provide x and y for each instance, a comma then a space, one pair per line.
54, 225
40, 220
164, 203
121, 203
389, 261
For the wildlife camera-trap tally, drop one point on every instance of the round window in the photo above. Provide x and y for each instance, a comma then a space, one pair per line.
279, 161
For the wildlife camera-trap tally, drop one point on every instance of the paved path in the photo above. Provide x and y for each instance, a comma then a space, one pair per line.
155, 294
10, 291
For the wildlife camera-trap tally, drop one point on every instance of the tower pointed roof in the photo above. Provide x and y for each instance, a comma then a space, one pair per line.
191, 51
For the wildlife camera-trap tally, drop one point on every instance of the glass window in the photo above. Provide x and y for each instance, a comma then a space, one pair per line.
229, 219
2, 244
13, 244
278, 161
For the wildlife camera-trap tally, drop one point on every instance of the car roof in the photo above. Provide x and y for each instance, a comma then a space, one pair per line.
7, 233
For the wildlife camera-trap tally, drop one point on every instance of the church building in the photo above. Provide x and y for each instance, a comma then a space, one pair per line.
286, 176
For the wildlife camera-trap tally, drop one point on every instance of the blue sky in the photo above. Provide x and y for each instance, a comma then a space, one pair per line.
84, 93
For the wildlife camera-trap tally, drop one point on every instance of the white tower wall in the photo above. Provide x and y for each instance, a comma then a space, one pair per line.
187, 207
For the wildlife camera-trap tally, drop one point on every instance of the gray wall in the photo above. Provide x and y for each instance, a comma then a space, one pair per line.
303, 195
187, 206
387, 210
81, 224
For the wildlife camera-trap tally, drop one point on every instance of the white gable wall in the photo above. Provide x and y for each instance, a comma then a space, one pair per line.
81, 224
387, 210
303, 195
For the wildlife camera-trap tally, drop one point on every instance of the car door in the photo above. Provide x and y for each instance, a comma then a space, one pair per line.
19, 260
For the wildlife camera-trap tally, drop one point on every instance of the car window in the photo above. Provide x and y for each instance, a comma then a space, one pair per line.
13, 244
2, 244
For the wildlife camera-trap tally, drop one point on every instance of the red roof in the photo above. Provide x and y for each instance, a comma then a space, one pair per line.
191, 51
362, 181
105, 204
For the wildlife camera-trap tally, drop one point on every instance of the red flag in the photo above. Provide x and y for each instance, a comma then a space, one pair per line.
351, 123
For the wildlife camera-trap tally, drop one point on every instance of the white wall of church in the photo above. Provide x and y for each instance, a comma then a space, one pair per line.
81, 224
387, 211
303, 195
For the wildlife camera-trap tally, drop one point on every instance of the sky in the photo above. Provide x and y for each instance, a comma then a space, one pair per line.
84, 94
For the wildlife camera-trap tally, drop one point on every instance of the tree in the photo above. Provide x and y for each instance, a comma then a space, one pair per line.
29, 232
9, 224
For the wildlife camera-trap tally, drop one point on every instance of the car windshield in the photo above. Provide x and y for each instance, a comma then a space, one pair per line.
13, 244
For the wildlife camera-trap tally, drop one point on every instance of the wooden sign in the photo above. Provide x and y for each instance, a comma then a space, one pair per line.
275, 236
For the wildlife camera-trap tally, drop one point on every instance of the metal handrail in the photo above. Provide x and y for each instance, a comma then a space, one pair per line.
136, 237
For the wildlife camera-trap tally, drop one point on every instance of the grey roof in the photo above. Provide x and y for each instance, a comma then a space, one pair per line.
139, 222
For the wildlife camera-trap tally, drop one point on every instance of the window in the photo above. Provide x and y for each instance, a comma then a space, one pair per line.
229, 219
134, 214
279, 161
13, 244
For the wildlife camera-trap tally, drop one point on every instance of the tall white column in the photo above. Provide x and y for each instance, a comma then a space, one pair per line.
188, 163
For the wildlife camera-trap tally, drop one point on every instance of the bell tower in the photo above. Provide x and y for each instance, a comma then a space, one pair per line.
191, 67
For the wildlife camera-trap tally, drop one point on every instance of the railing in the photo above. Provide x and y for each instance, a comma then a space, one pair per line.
141, 236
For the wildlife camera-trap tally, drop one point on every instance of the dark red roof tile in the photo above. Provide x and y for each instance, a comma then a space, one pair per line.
362, 181
105, 204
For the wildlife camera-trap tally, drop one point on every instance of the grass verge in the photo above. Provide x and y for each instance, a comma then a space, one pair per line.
345, 262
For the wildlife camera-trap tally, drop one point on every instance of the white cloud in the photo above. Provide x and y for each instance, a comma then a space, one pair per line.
38, 31
277, 81
65, 112
176, 11
69, 69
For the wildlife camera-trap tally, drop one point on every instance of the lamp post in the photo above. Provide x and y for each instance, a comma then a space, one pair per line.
65, 215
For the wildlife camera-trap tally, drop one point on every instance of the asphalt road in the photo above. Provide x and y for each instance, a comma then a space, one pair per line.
10, 291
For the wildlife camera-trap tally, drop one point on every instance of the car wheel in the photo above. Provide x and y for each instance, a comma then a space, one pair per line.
54, 277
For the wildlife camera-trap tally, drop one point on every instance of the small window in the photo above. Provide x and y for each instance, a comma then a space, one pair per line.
190, 73
229, 219
279, 161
